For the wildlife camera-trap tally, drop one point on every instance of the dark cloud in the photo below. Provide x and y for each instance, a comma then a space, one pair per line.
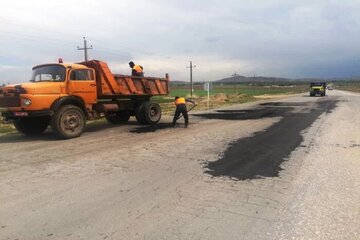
264, 37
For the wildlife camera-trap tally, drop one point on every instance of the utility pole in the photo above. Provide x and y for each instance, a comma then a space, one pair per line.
85, 48
235, 75
191, 81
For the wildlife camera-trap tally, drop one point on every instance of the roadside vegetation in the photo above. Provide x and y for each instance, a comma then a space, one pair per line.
348, 86
5, 128
220, 95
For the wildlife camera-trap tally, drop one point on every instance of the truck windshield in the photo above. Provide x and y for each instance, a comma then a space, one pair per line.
50, 73
317, 84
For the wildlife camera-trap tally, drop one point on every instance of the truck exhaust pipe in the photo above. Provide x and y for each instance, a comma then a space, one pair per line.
108, 107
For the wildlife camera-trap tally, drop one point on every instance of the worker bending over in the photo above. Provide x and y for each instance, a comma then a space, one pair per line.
181, 109
137, 70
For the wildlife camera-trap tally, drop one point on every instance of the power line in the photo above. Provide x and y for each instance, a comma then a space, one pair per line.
124, 47
33, 41
47, 30
114, 51
11, 35
49, 38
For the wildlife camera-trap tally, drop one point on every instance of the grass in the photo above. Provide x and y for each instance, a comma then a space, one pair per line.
5, 128
201, 102
252, 90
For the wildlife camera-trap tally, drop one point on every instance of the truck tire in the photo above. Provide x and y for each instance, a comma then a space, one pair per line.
68, 122
140, 113
118, 117
148, 113
32, 126
152, 112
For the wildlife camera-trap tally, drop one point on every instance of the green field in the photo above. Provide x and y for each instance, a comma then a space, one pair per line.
226, 94
245, 89
249, 89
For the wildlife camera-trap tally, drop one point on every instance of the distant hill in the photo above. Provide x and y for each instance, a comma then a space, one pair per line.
176, 82
238, 79
243, 79
261, 79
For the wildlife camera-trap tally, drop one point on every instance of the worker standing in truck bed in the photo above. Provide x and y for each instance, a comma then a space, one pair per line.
137, 70
181, 109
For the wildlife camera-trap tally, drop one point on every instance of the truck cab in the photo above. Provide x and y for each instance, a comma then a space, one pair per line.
317, 88
48, 83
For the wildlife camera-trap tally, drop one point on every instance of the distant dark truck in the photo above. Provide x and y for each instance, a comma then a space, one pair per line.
317, 88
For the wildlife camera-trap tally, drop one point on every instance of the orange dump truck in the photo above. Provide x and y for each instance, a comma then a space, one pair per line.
66, 95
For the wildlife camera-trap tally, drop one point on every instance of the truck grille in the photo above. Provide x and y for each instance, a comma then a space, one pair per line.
9, 101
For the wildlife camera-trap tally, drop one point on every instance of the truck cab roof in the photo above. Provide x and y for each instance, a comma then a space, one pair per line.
66, 65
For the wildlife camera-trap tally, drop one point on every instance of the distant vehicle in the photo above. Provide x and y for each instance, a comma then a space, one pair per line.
66, 95
317, 88
329, 87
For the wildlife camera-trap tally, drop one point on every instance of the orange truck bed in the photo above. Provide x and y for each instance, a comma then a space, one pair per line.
117, 85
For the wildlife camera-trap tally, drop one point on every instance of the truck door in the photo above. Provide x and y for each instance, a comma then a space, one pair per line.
82, 84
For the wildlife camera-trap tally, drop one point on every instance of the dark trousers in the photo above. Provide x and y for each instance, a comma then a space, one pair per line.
136, 74
181, 109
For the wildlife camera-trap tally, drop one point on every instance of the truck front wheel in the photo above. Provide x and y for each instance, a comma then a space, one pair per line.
32, 126
68, 122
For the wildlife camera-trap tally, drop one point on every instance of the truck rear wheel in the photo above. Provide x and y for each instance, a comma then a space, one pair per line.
68, 122
148, 113
32, 126
140, 114
152, 112
118, 117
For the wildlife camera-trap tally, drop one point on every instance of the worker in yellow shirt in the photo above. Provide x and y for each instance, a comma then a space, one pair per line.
137, 70
181, 109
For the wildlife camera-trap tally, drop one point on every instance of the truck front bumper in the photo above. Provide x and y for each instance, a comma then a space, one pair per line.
19, 114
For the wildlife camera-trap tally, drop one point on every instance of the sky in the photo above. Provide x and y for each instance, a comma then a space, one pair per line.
280, 38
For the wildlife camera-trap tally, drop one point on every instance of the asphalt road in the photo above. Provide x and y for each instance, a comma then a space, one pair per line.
281, 169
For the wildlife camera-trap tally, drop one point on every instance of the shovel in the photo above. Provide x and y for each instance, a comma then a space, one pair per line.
187, 111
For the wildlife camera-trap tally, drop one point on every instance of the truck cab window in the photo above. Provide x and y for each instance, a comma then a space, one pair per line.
48, 73
81, 75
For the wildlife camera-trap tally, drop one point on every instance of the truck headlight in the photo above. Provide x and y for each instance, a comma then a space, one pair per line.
26, 102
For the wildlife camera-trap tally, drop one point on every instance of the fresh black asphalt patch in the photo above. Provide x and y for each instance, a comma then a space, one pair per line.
151, 128
261, 155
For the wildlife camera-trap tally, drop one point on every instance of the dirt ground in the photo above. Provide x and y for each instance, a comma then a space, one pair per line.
135, 182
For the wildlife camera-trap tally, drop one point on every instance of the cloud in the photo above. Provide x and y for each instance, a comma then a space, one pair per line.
263, 37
